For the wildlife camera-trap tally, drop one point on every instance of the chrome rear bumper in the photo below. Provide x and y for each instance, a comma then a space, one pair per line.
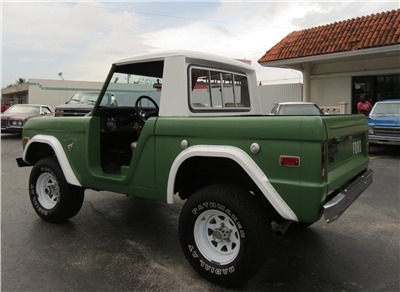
338, 204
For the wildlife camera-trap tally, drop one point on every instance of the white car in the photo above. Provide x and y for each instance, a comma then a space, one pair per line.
296, 108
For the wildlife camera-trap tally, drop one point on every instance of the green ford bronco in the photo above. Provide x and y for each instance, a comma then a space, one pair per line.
191, 125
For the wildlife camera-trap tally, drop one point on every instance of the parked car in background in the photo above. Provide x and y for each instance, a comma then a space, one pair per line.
296, 108
82, 103
5, 107
13, 119
384, 123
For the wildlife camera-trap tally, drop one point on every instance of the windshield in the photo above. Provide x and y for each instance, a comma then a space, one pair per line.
300, 109
83, 97
129, 82
30, 110
387, 108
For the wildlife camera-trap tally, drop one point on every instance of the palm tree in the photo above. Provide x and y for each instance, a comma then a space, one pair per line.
18, 81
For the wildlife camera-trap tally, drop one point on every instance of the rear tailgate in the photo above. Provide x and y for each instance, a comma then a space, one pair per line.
346, 149
346, 156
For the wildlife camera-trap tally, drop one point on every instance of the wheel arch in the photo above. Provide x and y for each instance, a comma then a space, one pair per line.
41, 146
202, 165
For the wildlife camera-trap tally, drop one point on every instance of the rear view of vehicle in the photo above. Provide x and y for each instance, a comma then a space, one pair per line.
344, 163
384, 123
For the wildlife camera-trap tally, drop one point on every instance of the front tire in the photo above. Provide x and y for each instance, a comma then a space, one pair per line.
52, 198
224, 234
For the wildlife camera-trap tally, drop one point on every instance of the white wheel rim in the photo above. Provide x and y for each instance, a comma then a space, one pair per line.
217, 237
47, 190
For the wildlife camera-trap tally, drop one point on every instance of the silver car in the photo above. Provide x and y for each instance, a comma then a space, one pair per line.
296, 109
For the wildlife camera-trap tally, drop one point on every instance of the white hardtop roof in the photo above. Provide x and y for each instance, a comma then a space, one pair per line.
186, 54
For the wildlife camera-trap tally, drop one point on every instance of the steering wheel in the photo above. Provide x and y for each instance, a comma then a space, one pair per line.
145, 114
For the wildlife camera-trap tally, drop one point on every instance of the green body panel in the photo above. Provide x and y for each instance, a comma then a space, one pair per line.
347, 157
72, 132
136, 178
302, 188
276, 135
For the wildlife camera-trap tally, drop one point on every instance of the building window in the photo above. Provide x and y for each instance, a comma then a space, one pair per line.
375, 88
387, 87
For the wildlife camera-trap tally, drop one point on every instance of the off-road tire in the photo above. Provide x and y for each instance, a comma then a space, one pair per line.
224, 234
53, 199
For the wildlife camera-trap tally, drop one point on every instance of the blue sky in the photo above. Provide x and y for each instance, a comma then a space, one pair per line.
82, 39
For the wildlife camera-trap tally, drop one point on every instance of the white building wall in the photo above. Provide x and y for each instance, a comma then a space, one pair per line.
56, 92
330, 84
271, 94
330, 91
360, 67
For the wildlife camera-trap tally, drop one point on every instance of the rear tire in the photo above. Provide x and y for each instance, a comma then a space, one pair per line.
224, 234
53, 199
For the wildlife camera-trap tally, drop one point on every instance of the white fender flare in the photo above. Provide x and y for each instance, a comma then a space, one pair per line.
244, 161
60, 154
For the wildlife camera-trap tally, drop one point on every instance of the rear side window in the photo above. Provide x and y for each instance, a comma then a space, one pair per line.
218, 90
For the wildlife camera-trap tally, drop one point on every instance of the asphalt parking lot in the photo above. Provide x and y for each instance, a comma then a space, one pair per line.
117, 243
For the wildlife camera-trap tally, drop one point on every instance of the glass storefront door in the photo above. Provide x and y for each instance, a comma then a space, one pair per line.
375, 88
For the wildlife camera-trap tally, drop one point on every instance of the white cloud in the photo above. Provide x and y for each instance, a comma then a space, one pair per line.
83, 39
247, 34
70, 36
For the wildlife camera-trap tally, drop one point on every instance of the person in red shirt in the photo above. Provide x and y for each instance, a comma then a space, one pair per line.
364, 106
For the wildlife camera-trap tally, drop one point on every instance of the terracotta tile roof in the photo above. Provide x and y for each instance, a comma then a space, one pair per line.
375, 30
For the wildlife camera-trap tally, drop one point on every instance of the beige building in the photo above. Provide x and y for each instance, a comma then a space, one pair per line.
344, 60
46, 91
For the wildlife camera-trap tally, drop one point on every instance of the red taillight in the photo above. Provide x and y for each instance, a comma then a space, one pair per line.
25, 140
323, 163
293, 161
